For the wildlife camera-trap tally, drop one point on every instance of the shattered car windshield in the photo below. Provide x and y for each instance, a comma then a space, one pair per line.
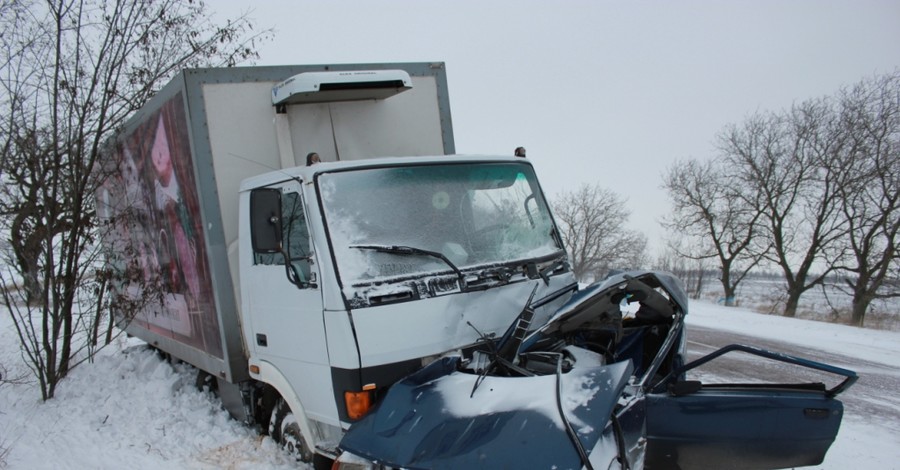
472, 214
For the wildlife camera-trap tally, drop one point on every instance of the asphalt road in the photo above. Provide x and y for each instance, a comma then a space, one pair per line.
874, 396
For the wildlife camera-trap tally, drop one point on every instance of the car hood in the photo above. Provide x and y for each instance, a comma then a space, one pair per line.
593, 301
437, 418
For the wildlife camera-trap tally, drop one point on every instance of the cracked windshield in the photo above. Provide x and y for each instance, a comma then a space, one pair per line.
451, 216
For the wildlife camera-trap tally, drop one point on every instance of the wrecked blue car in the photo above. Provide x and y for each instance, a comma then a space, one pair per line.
600, 385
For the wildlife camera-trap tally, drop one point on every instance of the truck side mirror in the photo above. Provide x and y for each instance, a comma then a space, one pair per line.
265, 220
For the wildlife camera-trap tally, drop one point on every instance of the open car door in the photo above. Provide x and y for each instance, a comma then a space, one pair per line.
691, 425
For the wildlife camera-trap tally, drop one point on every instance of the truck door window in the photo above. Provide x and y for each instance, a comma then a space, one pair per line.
295, 236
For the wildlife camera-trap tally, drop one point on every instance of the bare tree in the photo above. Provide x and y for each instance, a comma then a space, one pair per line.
708, 206
71, 72
592, 224
870, 198
774, 158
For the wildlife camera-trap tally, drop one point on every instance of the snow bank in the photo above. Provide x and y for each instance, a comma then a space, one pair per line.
877, 346
128, 409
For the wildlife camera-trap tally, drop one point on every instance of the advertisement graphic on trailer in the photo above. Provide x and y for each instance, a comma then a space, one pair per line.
151, 200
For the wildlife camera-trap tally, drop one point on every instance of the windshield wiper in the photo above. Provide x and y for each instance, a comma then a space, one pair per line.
413, 251
544, 273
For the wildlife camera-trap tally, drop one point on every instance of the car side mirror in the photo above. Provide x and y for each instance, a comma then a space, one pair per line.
265, 220
685, 387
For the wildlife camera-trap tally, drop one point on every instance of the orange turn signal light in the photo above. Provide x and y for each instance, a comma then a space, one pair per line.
358, 403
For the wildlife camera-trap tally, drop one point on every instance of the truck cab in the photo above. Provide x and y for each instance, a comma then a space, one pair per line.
355, 274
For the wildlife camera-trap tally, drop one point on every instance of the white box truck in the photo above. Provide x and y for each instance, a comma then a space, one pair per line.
306, 291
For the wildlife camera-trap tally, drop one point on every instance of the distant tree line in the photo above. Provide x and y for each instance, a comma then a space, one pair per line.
813, 191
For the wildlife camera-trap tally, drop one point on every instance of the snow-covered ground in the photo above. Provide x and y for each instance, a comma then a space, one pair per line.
130, 409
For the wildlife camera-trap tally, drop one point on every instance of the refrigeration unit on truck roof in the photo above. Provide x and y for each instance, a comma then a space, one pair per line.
318, 87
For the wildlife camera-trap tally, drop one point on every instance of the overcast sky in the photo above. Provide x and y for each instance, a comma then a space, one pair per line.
599, 92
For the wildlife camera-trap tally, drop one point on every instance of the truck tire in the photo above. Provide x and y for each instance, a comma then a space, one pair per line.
285, 430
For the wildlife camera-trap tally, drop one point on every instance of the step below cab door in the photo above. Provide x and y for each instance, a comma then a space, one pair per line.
691, 425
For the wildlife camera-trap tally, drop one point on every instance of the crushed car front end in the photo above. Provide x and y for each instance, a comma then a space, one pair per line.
601, 384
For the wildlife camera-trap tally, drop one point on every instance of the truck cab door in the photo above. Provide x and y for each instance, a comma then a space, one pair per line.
692, 425
285, 301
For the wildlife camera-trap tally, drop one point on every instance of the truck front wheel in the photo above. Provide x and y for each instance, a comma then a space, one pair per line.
285, 430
